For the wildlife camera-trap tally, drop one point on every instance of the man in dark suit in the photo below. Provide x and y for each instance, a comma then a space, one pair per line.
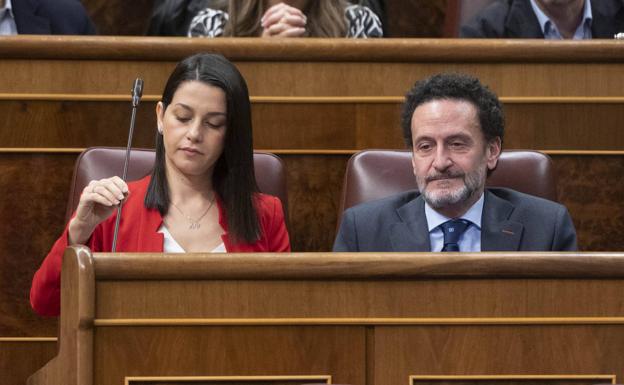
455, 127
553, 19
45, 17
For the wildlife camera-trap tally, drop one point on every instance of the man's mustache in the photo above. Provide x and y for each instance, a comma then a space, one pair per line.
444, 175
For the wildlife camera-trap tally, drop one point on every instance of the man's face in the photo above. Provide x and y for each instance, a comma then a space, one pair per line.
449, 155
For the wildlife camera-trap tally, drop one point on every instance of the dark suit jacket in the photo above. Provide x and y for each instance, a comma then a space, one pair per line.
516, 19
51, 17
511, 221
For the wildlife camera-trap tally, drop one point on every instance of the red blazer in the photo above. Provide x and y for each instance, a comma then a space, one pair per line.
138, 233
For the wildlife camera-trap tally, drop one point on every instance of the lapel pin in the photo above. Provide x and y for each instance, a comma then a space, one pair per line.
508, 232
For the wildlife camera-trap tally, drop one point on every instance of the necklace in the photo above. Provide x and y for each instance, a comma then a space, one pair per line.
194, 224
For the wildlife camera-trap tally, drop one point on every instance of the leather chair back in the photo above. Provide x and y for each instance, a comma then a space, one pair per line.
375, 174
104, 162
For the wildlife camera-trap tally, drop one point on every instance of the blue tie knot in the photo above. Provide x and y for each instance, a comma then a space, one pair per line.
453, 231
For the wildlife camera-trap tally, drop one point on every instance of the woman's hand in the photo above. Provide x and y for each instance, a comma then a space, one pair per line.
97, 202
282, 20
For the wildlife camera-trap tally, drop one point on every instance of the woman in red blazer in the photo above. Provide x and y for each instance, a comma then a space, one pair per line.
201, 195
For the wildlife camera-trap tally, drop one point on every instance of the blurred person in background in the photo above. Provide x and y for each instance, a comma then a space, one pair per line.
547, 19
214, 18
44, 17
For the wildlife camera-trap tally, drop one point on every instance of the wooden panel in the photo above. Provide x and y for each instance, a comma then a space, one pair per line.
181, 289
314, 188
75, 124
424, 299
266, 78
119, 17
529, 350
313, 49
589, 187
219, 351
18, 360
35, 190
513, 380
415, 18
582, 125
226, 380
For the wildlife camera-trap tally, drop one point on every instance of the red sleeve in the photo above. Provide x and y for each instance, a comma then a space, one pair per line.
276, 233
45, 292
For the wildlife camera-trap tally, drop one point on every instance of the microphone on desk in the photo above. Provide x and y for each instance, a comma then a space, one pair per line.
137, 92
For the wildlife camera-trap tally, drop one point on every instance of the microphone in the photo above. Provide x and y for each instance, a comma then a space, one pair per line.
137, 92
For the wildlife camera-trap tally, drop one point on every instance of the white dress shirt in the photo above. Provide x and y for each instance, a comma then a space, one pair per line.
549, 28
7, 19
470, 239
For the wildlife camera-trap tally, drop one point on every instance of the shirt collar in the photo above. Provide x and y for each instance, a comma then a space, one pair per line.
474, 214
8, 6
546, 24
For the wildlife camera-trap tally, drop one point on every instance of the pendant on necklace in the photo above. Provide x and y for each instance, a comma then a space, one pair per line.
194, 226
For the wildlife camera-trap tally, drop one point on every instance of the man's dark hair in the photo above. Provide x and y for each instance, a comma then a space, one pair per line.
460, 87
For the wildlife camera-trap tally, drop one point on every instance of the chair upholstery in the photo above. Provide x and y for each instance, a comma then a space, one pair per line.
104, 162
375, 174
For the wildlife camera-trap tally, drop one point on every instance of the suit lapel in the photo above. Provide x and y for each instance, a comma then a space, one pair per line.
606, 18
498, 232
411, 233
522, 22
27, 20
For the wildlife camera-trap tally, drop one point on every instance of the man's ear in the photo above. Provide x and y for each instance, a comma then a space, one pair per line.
493, 152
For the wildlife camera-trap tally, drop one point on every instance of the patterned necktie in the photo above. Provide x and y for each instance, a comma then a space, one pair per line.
453, 231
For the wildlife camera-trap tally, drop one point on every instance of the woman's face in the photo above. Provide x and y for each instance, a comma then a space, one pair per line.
193, 128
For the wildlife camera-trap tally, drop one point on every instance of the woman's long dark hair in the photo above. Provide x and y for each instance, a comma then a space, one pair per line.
233, 178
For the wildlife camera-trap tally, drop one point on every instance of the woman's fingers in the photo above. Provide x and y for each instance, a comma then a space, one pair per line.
283, 30
278, 12
107, 192
292, 32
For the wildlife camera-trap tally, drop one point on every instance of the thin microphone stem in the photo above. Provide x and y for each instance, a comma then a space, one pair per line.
137, 90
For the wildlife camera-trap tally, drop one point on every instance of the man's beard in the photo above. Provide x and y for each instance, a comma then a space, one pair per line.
473, 182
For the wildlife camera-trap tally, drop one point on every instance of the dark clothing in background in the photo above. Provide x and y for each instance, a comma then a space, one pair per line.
516, 19
52, 17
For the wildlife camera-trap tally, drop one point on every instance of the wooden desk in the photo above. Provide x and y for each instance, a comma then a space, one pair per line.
375, 319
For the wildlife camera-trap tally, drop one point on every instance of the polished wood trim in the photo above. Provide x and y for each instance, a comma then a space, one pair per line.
75, 97
311, 49
561, 99
326, 378
359, 321
581, 152
494, 377
28, 339
284, 151
355, 266
40, 150
311, 99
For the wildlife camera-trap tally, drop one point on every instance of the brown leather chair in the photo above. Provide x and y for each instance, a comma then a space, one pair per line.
375, 174
104, 162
